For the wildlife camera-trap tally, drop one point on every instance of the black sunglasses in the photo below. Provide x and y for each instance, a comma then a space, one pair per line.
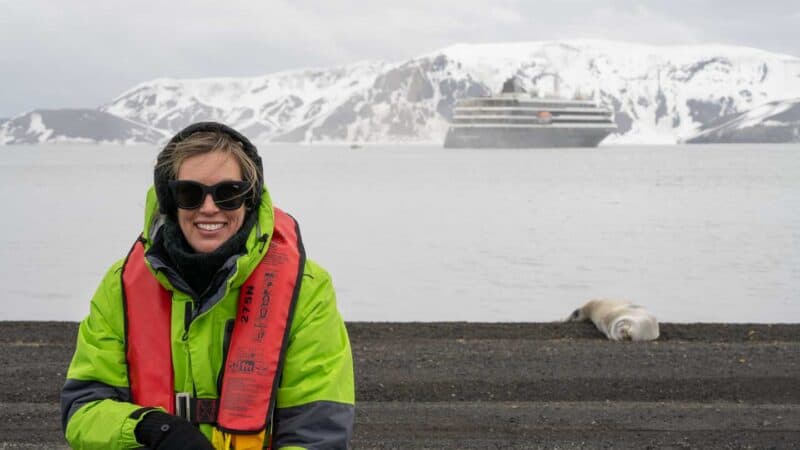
191, 194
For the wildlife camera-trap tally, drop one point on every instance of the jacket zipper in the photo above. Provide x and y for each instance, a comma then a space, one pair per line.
187, 320
226, 344
187, 323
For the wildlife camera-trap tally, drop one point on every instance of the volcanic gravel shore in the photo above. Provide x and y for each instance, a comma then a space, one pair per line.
456, 385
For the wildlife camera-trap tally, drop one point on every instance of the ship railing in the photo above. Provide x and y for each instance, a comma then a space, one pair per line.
601, 125
526, 102
530, 113
528, 108
555, 118
506, 120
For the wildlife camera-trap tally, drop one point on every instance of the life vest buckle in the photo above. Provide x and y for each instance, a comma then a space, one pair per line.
183, 405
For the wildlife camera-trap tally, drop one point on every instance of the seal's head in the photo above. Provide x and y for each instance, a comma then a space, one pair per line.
577, 316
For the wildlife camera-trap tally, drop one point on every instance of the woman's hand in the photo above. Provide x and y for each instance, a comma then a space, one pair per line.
162, 431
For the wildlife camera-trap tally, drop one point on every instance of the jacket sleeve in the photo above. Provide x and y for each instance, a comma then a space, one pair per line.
95, 408
315, 401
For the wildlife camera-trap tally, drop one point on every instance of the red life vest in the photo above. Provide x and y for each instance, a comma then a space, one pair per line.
257, 346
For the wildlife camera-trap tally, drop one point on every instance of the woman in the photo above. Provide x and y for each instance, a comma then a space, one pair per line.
215, 331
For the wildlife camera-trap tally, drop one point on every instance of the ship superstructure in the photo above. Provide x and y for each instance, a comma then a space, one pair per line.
516, 119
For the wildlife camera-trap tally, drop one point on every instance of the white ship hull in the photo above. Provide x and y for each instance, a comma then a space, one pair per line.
524, 137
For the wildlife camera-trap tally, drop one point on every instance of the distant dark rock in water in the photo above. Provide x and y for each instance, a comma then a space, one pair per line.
774, 122
75, 125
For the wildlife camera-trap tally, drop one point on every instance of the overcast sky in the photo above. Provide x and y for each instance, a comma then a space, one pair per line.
56, 54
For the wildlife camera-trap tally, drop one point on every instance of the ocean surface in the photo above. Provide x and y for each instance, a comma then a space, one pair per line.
706, 233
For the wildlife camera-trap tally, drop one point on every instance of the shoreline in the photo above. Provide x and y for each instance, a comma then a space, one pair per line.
503, 385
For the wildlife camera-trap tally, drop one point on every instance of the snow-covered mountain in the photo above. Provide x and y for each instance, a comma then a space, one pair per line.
777, 121
75, 125
659, 94
262, 108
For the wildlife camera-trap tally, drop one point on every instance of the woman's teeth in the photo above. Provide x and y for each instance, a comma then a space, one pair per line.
209, 226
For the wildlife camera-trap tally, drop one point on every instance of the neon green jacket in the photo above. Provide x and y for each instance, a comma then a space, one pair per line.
315, 400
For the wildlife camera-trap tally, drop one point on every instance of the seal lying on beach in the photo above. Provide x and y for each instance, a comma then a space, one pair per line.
618, 319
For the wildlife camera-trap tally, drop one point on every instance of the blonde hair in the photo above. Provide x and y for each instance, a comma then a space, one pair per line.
203, 142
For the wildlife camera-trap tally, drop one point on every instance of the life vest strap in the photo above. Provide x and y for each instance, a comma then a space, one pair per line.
261, 332
196, 410
148, 308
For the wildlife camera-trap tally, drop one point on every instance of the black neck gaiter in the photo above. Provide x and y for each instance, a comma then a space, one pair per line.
200, 270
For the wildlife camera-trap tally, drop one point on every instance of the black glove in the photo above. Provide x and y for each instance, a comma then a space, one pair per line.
162, 431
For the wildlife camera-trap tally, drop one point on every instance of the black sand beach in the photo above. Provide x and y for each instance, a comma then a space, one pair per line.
521, 385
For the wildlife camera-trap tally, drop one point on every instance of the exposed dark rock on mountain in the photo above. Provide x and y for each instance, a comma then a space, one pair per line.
774, 122
75, 125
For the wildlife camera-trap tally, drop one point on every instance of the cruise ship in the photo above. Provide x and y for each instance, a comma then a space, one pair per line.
515, 119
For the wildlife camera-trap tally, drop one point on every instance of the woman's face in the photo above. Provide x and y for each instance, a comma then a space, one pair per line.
208, 227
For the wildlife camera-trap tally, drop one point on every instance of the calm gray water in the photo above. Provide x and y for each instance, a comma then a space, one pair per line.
421, 233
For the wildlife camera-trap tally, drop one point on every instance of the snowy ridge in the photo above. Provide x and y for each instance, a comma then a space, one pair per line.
75, 126
777, 121
261, 107
659, 94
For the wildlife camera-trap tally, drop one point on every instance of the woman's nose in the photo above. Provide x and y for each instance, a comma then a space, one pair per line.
208, 205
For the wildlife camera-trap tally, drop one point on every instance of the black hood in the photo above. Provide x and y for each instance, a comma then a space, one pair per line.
161, 176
